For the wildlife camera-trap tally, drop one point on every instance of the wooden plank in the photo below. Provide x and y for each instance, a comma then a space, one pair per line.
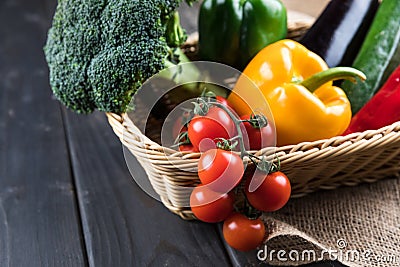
39, 220
122, 225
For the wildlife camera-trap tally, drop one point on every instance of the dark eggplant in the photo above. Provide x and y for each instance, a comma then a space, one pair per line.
339, 31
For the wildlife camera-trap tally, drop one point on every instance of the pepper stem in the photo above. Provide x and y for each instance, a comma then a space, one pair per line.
338, 73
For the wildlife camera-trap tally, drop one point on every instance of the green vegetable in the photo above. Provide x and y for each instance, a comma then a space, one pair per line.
100, 52
234, 31
376, 54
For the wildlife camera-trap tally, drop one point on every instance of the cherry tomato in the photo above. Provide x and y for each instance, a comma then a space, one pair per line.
257, 138
242, 233
209, 206
272, 194
205, 130
220, 169
222, 117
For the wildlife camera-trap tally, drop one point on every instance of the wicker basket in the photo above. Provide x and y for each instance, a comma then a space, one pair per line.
324, 164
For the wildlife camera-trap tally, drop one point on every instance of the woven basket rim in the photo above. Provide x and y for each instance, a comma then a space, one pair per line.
321, 144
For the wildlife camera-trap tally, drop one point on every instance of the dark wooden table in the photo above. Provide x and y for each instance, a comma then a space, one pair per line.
66, 195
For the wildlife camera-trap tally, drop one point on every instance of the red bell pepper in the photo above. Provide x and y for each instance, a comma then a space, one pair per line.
381, 110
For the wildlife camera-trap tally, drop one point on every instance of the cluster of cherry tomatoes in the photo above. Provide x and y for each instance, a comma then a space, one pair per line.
213, 129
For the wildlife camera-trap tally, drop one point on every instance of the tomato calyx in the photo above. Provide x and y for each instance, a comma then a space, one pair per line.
257, 121
226, 144
261, 163
276, 167
249, 211
208, 94
201, 107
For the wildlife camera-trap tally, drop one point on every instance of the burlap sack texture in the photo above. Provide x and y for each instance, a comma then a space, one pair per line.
360, 226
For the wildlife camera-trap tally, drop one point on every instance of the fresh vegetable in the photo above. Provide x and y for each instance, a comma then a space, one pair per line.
221, 170
393, 64
209, 206
242, 233
180, 124
258, 133
298, 87
100, 52
376, 53
233, 31
204, 130
339, 31
272, 194
382, 109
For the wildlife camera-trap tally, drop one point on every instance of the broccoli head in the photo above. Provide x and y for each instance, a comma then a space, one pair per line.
100, 52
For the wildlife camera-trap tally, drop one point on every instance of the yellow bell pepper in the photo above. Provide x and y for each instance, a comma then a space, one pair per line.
297, 85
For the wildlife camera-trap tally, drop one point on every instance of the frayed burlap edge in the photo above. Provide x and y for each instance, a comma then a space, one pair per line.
357, 226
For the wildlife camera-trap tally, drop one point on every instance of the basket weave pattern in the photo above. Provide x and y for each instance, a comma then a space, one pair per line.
310, 166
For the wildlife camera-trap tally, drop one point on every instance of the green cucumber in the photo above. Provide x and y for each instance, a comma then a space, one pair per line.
376, 54
394, 62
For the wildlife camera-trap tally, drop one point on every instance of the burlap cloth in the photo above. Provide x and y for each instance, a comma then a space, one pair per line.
358, 226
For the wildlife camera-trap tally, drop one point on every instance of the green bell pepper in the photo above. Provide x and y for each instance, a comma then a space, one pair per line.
234, 31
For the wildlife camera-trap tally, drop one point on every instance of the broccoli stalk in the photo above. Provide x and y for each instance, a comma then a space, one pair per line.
175, 37
100, 52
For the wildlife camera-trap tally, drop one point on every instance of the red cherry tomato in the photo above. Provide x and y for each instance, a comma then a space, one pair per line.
242, 233
257, 138
272, 194
209, 206
222, 117
205, 130
220, 169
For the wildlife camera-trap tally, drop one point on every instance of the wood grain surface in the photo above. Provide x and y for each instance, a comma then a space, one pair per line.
39, 220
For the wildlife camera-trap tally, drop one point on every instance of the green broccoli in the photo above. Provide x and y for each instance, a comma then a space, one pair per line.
100, 52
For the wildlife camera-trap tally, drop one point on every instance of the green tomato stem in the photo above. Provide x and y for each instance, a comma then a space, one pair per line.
243, 151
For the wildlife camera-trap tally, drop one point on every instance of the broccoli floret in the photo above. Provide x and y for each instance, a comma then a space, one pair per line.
100, 52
